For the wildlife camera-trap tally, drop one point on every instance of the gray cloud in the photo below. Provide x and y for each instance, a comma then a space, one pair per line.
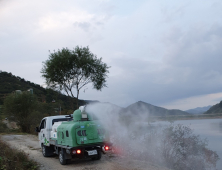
159, 52
83, 25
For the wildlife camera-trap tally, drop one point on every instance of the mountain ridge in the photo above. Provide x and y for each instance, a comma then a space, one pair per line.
141, 107
215, 109
198, 110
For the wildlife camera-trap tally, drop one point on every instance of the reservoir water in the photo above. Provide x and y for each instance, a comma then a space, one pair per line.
206, 128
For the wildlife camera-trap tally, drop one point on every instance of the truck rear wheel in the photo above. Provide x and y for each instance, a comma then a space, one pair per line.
47, 151
62, 159
99, 155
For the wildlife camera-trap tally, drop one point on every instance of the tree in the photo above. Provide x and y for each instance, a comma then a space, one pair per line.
21, 108
182, 150
0, 108
67, 69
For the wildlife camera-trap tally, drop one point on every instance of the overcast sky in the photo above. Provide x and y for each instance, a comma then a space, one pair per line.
166, 53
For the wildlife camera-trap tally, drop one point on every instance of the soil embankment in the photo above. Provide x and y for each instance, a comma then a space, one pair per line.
29, 144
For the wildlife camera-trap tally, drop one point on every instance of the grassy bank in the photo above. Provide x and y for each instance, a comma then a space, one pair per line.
11, 159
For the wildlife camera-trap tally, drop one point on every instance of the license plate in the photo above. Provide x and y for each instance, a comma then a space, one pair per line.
93, 152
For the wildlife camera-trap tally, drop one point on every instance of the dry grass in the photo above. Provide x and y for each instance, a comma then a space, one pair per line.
11, 159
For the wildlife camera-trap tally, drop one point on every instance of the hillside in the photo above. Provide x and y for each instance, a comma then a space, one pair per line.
215, 109
10, 83
142, 108
198, 110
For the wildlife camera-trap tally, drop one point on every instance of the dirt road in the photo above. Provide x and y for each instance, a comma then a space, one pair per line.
29, 144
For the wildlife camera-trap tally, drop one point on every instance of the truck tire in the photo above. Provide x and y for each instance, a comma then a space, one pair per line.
99, 155
47, 151
62, 159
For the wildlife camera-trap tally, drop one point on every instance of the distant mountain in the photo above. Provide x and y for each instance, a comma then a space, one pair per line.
198, 110
142, 108
215, 109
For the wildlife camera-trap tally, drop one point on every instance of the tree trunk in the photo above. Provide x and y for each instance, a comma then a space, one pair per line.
77, 101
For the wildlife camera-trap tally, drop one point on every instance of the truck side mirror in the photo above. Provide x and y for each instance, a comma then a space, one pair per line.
37, 129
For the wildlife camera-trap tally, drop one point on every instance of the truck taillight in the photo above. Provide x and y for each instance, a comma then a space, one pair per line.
106, 148
78, 151
74, 152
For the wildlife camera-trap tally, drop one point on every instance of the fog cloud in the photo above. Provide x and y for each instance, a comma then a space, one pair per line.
134, 137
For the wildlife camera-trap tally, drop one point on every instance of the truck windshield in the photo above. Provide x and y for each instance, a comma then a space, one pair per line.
61, 120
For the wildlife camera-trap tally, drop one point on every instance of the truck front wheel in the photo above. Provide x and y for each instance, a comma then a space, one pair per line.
62, 159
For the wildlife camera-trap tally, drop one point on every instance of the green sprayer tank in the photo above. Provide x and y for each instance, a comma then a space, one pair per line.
84, 129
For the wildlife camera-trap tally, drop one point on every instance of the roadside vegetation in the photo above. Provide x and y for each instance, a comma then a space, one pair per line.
24, 110
3, 128
13, 159
175, 147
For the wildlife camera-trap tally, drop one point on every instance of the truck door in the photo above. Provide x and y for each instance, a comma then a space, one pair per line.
42, 133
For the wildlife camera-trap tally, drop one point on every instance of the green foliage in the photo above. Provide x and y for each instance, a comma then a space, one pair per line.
67, 69
27, 111
10, 83
11, 159
220, 104
1, 109
32, 109
216, 109
3, 128
21, 108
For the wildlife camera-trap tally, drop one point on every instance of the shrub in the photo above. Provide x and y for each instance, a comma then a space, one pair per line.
3, 127
11, 159
174, 146
182, 150
19, 108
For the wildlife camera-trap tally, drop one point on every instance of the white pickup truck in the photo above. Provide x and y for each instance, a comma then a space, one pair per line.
80, 135
45, 128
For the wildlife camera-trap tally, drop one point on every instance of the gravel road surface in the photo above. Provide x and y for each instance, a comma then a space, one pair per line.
109, 161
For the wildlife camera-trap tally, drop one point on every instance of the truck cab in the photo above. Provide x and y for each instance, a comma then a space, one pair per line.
45, 128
